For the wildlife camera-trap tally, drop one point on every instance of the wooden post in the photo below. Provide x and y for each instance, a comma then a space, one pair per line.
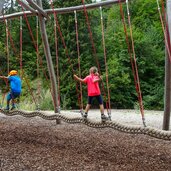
48, 58
166, 117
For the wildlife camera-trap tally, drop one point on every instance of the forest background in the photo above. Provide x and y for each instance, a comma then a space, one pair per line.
149, 49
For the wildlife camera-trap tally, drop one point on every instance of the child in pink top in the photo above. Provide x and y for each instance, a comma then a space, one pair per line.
92, 81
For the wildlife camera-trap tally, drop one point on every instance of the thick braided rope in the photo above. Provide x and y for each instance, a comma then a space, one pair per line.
153, 132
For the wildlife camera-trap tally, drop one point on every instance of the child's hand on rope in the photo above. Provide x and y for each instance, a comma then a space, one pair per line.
97, 74
75, 76
3, 77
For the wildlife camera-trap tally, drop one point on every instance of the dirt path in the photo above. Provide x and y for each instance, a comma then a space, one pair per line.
39, 145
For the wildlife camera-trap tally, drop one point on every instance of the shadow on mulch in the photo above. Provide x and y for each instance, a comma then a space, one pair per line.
39, 145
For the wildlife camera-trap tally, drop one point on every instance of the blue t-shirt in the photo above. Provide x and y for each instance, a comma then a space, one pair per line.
15, 83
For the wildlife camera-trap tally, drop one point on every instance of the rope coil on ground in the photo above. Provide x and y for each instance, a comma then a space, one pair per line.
156, 133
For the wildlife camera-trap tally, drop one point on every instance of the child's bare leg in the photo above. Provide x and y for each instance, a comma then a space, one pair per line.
86, 111
8, 102
13, 102
87, 108
101, 109
103, 117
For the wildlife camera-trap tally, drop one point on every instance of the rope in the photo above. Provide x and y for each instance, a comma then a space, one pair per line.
33, 40
38, 70
7, 46
79, 67
94, 51
21, 46
129, 48
57, 64
167, 27
63, 42
166, 33
166, 23
152, 132
9, 35
14, 49
62, 38
7, 52
136, 68
91, 37
105, 61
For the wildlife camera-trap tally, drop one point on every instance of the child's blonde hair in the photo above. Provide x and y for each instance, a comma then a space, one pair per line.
93, 70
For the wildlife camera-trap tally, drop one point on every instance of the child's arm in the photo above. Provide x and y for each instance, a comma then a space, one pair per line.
97, 79
79, 79
4, 77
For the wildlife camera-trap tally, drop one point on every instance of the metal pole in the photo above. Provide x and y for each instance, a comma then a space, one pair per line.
48, 58
166, 117
27, 7
64, 10
36, 7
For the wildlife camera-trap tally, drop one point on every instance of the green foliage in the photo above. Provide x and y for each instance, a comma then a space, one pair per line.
148, 45
46, 102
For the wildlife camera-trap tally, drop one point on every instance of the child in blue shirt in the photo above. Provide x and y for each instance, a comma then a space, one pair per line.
15, 88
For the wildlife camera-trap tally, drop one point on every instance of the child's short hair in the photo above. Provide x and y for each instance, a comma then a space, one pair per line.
93, 70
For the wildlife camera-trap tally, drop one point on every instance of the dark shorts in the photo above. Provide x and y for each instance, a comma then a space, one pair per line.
12, 95
99, 99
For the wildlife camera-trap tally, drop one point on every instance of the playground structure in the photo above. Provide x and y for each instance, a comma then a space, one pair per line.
42, 15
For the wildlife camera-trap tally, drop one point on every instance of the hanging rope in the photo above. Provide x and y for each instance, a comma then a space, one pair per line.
33, 40
136, 68
14, 49
106, 66
64, 45
38, 70
21, 65
94, 52
129, 48
21, 47
166, 24
79, 67
57, 64
91, 36
62, 38
7, 46
7, 60
166, 32
10, 37
7, 56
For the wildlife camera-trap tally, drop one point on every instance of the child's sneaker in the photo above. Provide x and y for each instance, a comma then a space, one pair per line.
7, 108
104, 118
13, 107
84, 115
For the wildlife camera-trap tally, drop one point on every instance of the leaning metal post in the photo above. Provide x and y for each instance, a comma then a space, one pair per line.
27, 7
39, 9
49, 59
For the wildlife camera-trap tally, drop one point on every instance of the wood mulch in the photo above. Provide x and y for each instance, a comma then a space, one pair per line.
38, 145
